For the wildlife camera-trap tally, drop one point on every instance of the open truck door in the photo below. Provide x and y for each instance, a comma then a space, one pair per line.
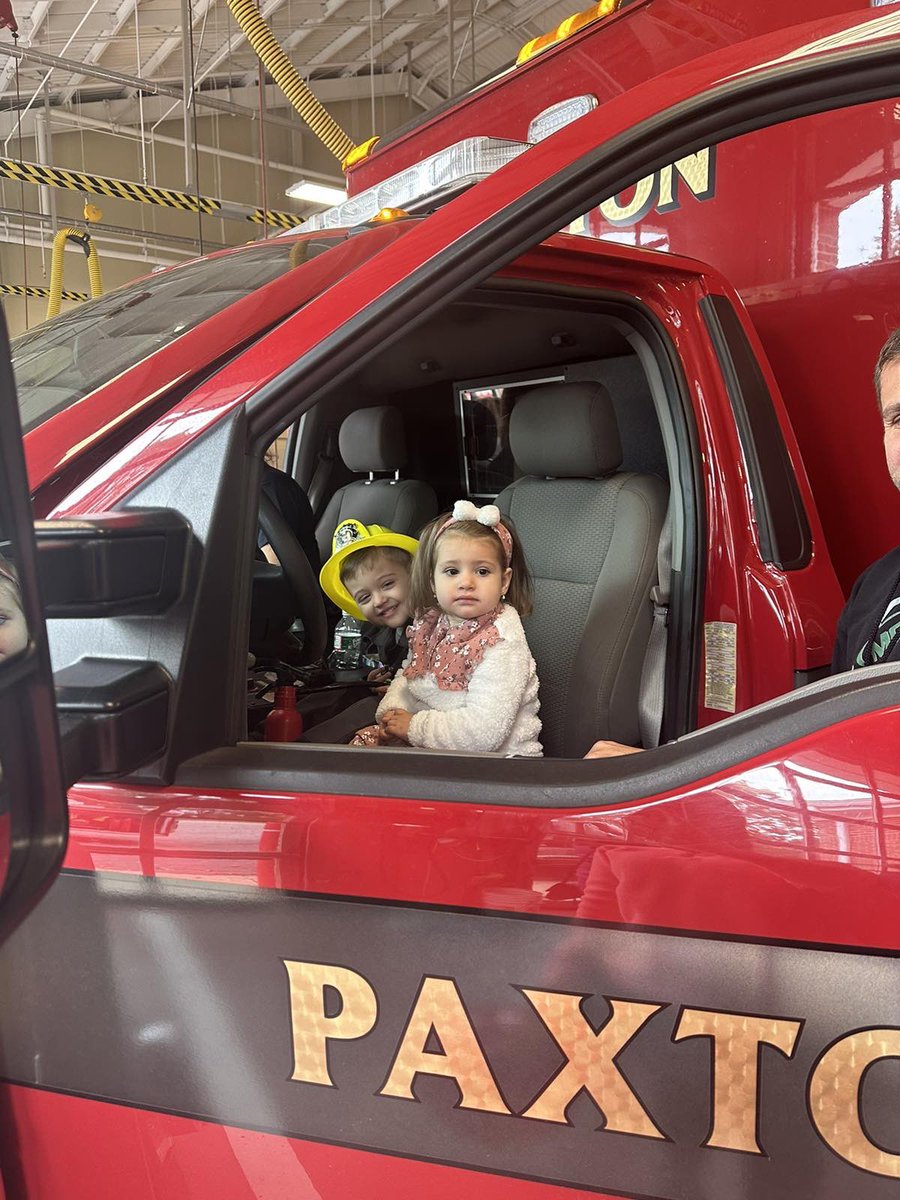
98, 717
306, 969
32, 791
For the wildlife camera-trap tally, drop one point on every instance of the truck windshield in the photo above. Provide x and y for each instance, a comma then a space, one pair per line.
66, 358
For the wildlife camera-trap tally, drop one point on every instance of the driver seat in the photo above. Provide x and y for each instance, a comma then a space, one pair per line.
590, 534
373, 440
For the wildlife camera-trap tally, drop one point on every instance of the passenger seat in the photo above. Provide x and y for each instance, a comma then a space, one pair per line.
372, 440
590, 534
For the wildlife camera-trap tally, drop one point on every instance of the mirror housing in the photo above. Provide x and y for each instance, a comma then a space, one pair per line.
130, 563
113, 714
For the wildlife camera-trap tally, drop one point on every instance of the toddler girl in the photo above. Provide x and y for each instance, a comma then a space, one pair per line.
13, 630
469, 681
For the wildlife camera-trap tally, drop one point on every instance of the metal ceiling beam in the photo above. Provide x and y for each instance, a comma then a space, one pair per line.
37, 18
521, 14
204, 99
11, 232
354, 30
122, 14
173, 243
170, 45
119, 117
234, 39
81, 120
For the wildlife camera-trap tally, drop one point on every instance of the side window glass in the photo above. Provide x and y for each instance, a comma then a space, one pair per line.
277, 452
484, 410
783, 526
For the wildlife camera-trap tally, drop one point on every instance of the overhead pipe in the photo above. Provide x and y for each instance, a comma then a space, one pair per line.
282, 70
95, 71
187, 76
79, 120
86, 243
11, 232
103, 232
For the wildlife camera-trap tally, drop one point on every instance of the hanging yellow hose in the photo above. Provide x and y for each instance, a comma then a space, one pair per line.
56, 266
282, 71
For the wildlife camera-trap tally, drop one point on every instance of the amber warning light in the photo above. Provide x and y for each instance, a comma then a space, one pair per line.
566, 28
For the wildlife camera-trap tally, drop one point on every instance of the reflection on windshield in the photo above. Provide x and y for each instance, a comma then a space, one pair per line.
63, 360
13, 629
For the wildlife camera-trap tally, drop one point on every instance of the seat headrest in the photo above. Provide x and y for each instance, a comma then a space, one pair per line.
372, 439
567, 430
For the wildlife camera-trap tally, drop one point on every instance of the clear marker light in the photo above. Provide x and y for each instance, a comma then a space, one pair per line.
559, 115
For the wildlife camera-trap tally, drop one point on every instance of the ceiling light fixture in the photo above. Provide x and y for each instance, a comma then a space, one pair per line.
315, 193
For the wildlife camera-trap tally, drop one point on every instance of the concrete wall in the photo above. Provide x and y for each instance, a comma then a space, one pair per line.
151, 235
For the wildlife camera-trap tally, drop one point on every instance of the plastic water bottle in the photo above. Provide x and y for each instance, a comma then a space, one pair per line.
347, 644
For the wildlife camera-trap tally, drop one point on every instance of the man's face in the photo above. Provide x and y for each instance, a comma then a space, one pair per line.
890, 415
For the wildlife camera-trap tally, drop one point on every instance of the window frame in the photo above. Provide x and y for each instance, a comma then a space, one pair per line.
781, 518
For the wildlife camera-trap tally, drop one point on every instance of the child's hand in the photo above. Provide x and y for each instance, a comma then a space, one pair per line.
610, 750
395, 723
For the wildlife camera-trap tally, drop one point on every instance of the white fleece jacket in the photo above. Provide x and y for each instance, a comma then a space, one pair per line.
498, 711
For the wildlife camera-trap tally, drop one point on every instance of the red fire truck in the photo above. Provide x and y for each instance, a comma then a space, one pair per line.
268, 970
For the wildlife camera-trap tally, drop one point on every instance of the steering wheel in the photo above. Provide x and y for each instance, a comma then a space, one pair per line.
310, 607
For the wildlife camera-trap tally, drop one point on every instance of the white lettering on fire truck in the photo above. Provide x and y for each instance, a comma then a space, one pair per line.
329, 1002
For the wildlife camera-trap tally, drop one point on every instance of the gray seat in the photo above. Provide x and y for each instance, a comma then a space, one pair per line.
372, 440
590, 535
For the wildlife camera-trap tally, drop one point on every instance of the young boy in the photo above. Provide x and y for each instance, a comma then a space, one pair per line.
368, 577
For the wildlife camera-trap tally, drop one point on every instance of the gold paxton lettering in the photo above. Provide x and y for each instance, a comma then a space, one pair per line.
660, 191
330, 1003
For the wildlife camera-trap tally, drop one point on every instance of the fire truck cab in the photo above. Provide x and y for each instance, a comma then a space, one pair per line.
315, 970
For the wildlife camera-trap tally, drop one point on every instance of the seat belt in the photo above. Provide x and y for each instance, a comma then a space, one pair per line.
652, 695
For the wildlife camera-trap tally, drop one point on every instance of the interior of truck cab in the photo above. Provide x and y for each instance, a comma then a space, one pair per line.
561, 408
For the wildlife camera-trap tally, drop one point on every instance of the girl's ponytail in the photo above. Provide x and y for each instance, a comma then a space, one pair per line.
521, 587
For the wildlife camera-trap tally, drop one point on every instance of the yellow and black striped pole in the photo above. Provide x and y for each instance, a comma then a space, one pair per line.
37, 293
142, 193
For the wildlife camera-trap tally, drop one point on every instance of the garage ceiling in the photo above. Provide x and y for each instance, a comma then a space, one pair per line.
346, 49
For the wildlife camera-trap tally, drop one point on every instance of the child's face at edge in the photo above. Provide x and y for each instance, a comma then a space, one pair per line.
13, 630
468, 576
381, 590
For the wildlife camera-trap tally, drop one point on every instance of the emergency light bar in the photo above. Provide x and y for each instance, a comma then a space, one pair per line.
447, 172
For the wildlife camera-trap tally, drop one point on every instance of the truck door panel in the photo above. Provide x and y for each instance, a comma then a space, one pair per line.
734, 894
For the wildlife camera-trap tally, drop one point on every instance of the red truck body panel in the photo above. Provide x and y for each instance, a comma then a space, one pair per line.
797, 848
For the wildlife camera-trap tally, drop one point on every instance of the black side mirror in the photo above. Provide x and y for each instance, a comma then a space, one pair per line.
113, 712
129, 563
